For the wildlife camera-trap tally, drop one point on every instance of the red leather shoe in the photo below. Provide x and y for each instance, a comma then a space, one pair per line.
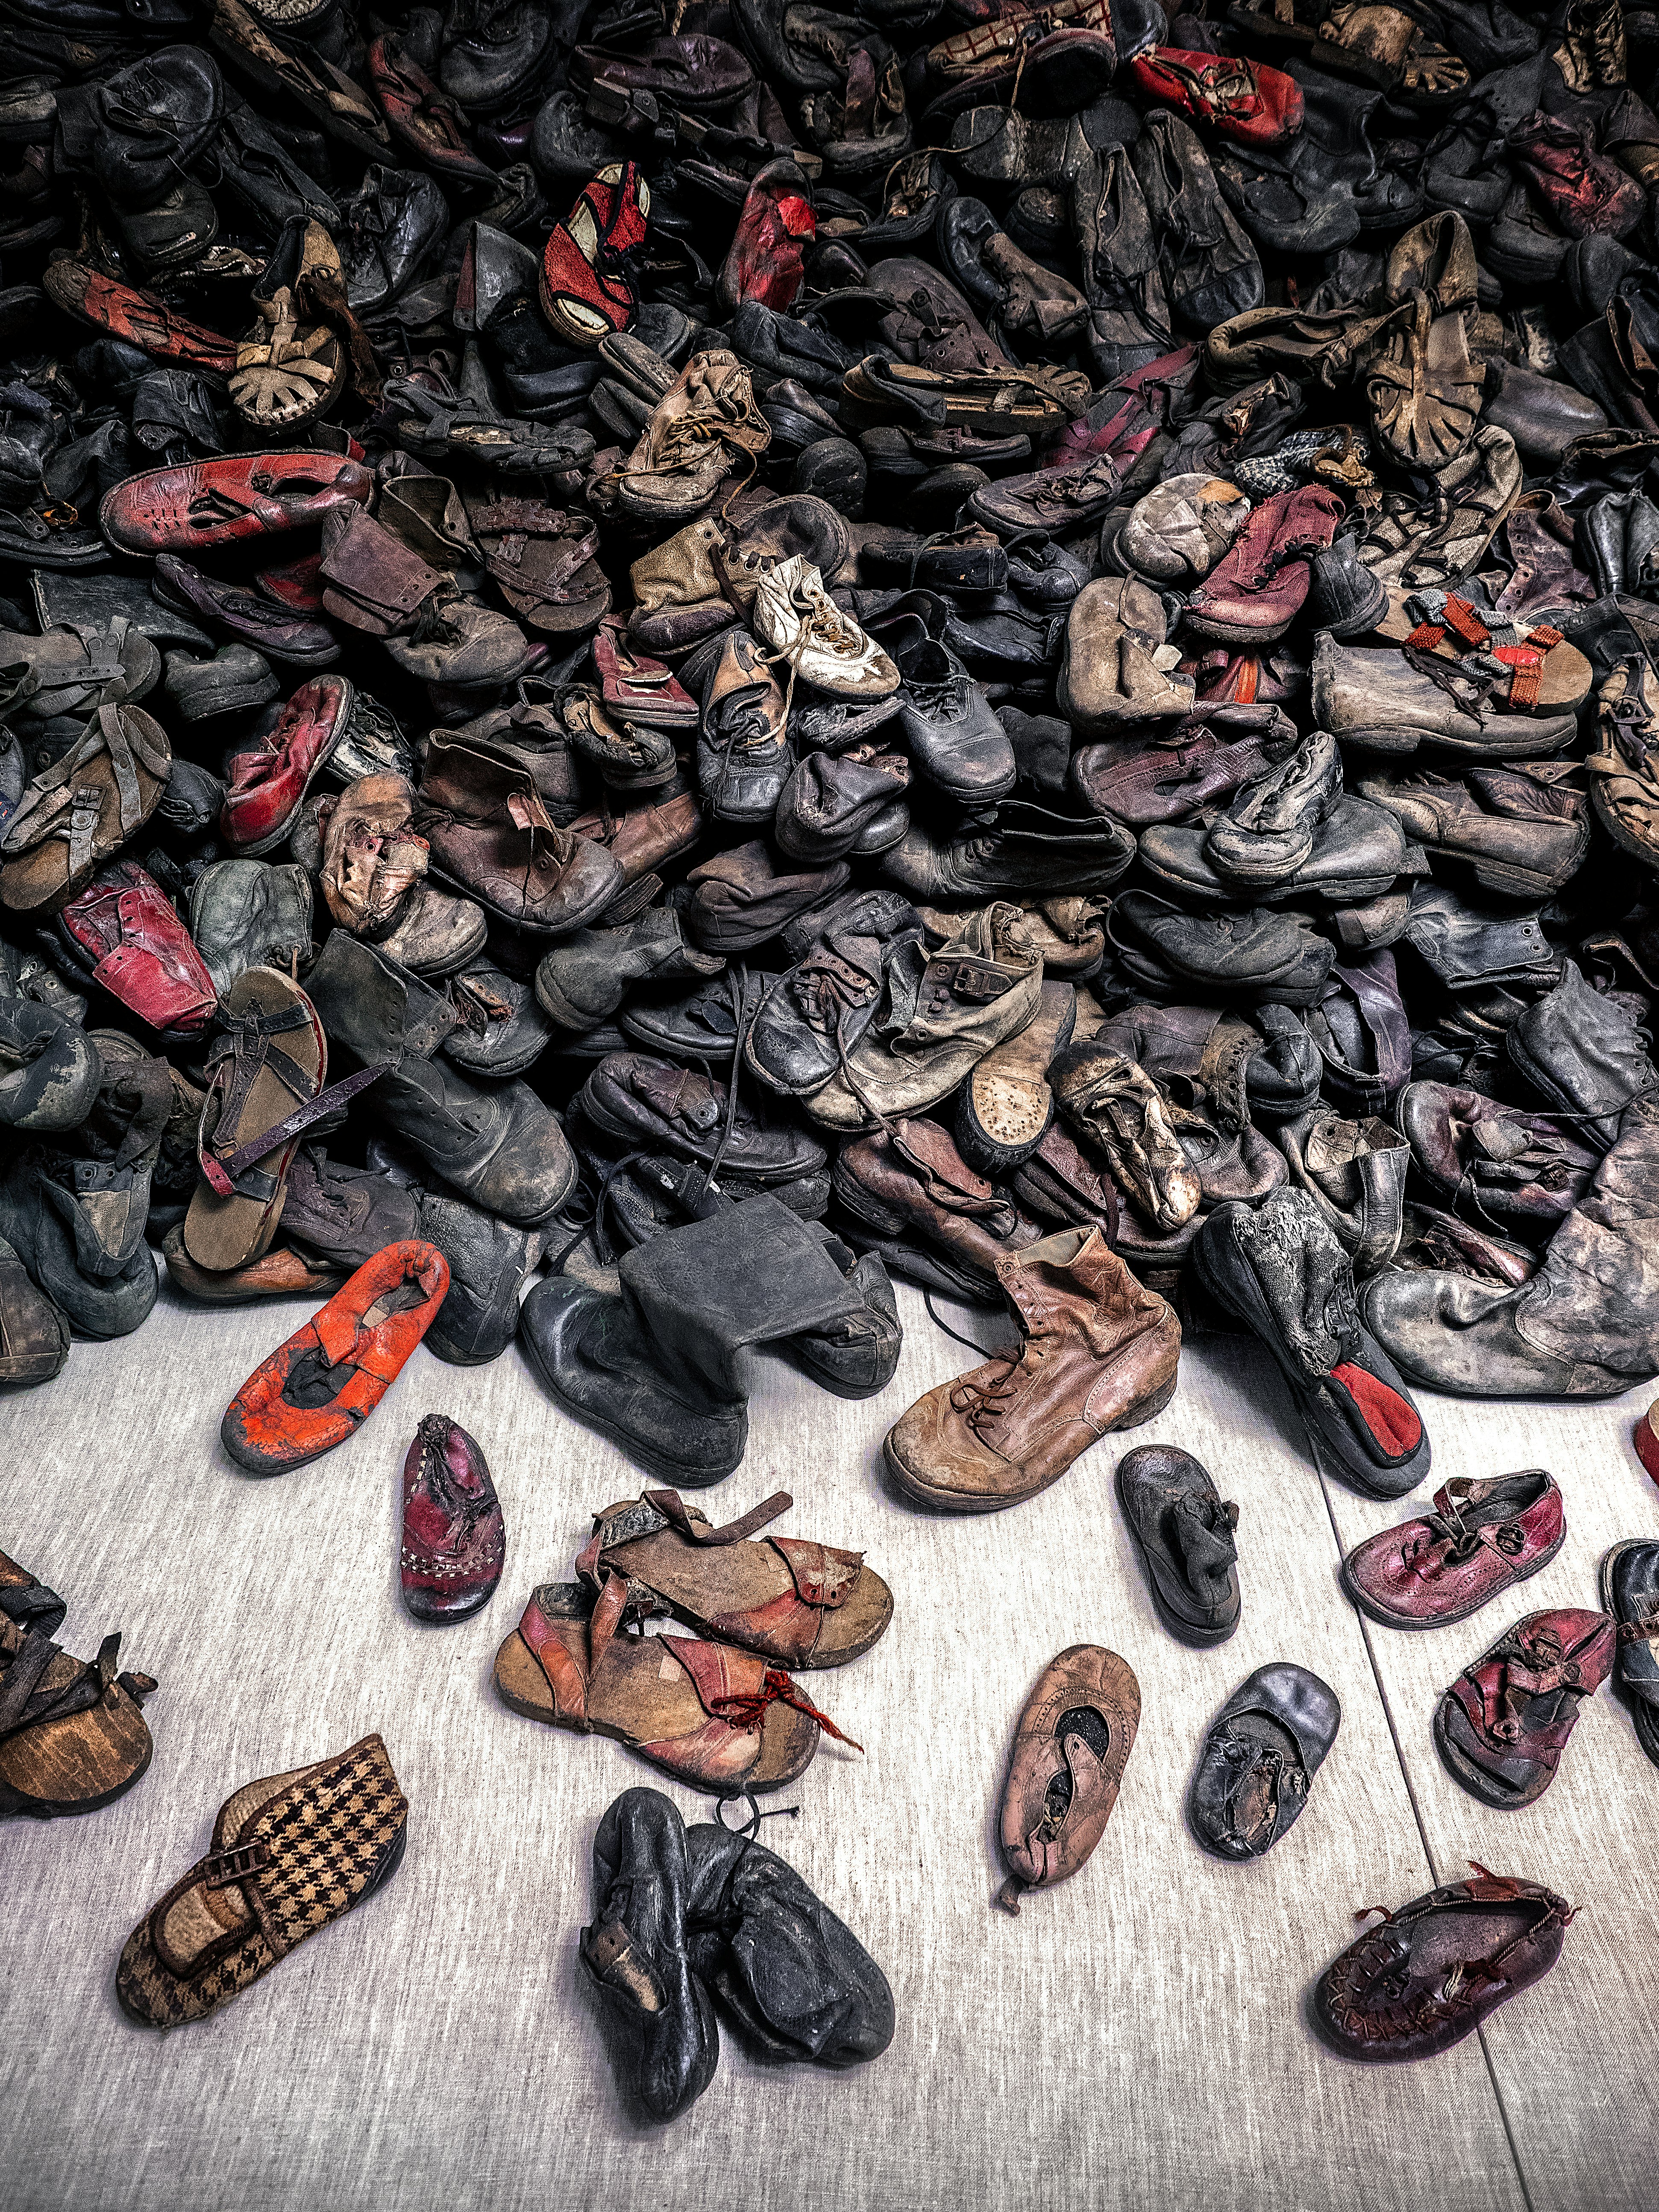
453, 1537
122, 932
317, 1388
777, 221
1256, 591
267, 785
219, 502
637, 689
421, 115
138, 318
1481, 1539
586, 292
1584, 192
1502, 1727
1241, 100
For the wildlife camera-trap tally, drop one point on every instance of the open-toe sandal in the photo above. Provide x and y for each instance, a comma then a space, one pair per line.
267, 1066
71, 1735
83, 808
798, 1603
717, 1718
289, 1855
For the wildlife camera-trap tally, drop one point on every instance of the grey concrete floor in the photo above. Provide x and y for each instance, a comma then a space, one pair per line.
1135, 2039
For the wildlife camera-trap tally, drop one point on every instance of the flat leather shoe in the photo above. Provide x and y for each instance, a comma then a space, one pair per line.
1481, 1539
1183, 1536
1071, 1747
1503, 1726
1259, 1760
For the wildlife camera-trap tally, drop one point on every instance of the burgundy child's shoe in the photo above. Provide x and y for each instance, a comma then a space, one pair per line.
1256, 591
1481, 1540
765, 262
1503, 1725
123, 932
219, 502
267, 785
453, 1537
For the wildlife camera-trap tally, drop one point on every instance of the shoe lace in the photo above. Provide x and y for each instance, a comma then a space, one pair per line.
746, 1713
984, 1398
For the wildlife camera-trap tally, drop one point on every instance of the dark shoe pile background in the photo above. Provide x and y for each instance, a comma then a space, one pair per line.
732, 655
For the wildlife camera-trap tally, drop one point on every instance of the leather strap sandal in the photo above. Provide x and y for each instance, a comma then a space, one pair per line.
26, 1600
801, 1604
442, 425
249, 1116
83, 808
290, 1854
717, 1718
71, 1735
317, 1388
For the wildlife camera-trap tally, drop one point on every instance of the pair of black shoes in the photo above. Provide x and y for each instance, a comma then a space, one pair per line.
690, 1923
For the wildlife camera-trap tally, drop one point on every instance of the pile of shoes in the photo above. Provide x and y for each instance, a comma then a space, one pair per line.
730, 652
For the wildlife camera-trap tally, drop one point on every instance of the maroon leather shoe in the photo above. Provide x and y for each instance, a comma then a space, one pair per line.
1427, 1975
122, 932
1481, 1539
453, 1537
267, 785
219, 502
1256, 591
1173, 775
637, 689
421, 115
1502, 1727
259, 622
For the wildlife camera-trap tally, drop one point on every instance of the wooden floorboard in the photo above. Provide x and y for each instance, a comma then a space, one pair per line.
1133, 2039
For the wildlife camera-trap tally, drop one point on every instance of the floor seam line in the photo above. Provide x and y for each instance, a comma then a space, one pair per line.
1423, 1838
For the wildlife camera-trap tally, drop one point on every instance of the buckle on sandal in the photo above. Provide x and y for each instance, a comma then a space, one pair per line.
221, 1868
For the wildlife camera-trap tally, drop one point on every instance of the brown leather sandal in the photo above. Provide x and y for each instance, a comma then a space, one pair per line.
801, 1604
267, 1066
720, 1719
290, 1854
1070, 1750
71, 1735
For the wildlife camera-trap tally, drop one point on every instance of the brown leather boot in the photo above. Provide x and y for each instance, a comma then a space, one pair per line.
493, 833
1100, 1353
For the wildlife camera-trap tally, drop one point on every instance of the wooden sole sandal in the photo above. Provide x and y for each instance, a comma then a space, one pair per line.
321, 1386
267, 1066
26, 1600
719, 1719
289, 1855
71, 1735
1535, 670
284, 1272
1070, 1750
81, 811
797, 1603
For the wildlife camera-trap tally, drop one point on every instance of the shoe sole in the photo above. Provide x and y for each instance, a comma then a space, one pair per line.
1384, 1619
1641, 1713
1393, 742
942, 1501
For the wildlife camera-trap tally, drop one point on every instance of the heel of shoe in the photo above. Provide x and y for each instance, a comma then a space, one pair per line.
1148, 1408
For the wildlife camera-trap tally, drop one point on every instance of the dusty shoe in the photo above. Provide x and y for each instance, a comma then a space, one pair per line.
1355, 1173
49, 1071
907, 1194
583, 981
487, 808
1267, 830
1118, 669
1116, 1105
249, 914
707, 424
743, 754
1502, 1727
1183, 1534
35, 1336
1175, 536
1005, 1107
1283, 1271
1521, 831
1259, 1759
809, 635
798, 1603
1383, 700
1070, 1750
942, 1013
1100, 1353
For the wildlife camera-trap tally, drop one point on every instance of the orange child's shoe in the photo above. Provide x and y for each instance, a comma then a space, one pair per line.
314, 1390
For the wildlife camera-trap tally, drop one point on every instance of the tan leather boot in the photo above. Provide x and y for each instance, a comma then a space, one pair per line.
1100, 1353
